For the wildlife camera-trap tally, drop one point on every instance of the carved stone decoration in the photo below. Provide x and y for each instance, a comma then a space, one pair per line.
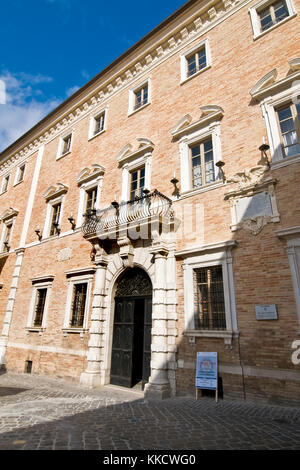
8, 214
55, 191
134, 283
64, 254
256, 224
126, 252
249, 177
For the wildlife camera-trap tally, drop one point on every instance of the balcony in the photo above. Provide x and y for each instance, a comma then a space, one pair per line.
138, 218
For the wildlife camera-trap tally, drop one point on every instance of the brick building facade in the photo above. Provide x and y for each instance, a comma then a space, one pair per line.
154, 213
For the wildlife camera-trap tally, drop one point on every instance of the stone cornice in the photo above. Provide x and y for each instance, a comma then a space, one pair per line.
199, 22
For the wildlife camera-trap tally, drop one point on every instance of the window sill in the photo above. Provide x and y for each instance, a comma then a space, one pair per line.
18, 182
274, 27
227, 335
35, 329
131, 112
63, 155
3, 192
78, 331
285, 162
202, 189
187, 79
96, 135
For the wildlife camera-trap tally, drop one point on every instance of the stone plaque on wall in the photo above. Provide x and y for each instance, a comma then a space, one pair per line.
266, 312
64, 254
253, 206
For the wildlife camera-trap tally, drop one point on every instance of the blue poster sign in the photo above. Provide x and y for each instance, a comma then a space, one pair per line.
207, 370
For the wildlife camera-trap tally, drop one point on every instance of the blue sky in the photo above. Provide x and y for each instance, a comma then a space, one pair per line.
50, 48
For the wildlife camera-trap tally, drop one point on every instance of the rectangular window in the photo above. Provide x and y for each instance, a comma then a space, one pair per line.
289, 123
196, 62
137, 183
5, 183
203, 170
141, 97
66, 144
54, 228
209, 298
39, 306
273, 14
6, 240
91, 198
99, 123
78, 305
21, 174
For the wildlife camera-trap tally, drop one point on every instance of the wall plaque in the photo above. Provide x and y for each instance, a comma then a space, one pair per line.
266, 312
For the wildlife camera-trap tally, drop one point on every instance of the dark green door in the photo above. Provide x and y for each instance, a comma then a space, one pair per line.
131, 348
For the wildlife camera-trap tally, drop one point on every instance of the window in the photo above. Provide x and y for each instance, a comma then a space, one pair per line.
39, 306
54, 228
289, 124
139, 96
39, 303
5, 183
99, 123
78, 300
6, 239
195, 60
65, 145
20, 174
91, 199
203, 168
273, 14
78, 305
137, 183
266, 15
209, 298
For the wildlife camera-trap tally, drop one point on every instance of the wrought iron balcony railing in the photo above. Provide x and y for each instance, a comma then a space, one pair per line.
139, 210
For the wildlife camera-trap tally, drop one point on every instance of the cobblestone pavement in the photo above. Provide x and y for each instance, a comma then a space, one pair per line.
48, 413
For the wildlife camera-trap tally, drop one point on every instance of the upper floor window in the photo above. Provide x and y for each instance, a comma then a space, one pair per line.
139, 96
91, 198
97, 123
273, 14
55, 219
20, 174
6, 237
5, 182
137, 183
195, 60
39, 304
203, 167
65, 145
267, 14
289, 123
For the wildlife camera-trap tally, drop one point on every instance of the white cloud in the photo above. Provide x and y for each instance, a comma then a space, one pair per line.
70, 91
24, 105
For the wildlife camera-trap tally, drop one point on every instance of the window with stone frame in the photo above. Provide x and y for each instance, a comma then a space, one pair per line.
209, 298
137, 183
141, 97
289, 124
5, 183
21, 172
273, 14
41, 294
55, 219
203, 167
66, 144
78, 305
6, 238
196, 61
99, 122
91, 199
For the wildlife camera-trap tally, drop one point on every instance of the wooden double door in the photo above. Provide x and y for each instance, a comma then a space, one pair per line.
131, 347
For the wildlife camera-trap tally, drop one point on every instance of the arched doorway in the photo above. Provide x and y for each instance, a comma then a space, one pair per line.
131, 346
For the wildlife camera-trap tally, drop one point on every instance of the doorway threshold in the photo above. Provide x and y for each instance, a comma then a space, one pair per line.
125, 389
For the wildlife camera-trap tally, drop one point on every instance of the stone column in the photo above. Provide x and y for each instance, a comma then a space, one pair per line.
93, 376
159, 386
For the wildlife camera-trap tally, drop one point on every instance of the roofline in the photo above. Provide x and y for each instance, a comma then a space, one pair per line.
161, 25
